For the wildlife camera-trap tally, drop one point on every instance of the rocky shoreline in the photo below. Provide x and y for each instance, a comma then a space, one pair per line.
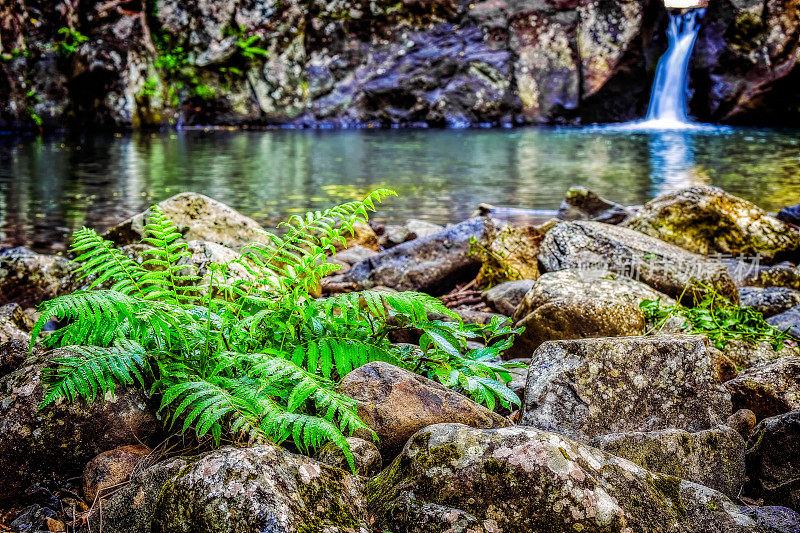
627, 422
166, 63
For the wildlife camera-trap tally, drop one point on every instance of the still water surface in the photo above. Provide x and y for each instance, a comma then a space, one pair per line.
51, 186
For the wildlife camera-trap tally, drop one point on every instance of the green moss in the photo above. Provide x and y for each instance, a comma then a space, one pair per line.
669, 486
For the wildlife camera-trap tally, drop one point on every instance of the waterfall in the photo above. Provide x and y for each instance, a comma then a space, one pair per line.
668, 99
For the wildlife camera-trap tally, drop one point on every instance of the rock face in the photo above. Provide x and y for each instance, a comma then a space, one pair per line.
524, 479
397, 403
707, 220
773, 460
505, 298
432, 264
713, 458
769, 301
28, 278
36, 446
591, 387
662, 266
768, 389
263, 488
573, 304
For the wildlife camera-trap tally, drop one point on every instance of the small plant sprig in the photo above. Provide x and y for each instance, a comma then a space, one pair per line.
70, 41
717, 318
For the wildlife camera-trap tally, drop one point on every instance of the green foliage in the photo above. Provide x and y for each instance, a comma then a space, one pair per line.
247, 352
247, 48
13, 54
717, 318
150, 88
70, 41
203, 91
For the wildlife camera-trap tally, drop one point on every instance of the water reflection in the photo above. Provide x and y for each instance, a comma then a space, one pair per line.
50, 187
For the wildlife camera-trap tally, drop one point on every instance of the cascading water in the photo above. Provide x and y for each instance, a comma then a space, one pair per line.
668, 99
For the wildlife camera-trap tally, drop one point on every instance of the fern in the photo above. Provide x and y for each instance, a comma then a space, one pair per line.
255, 357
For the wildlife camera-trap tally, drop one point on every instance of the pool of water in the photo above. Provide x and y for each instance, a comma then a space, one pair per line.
51, 186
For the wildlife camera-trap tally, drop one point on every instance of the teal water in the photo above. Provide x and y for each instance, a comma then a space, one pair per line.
51, 186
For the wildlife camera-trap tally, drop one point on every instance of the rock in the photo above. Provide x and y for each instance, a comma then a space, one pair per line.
582, 204
525, 479
263, 488
591, 387
788, 321
724, 368
576, 304
769, 301
198, 218
664, 267
13, 354
32, 518
707, 220
746, 354
397, 403
790, 214
472, 316
743, 421
767, 389
773, 460
37, 445
774, 519
15, 324
362, 235
508, 253
350, 256
413, 229
110, 469
519, 377
132, 508
781, 275
713, 458
433, 264
367, 456
505, 298
28, 278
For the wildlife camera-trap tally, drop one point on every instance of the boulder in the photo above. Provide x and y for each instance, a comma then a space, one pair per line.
787, 321
397, 403
362, 235
132, 508
713, 457
707, 220
13, 354
750, 273
413, 229
773, 460
366, 455
746, 354
263, 488
15, 324
508, 253
110, 469
525, 479
590, 387
664, 267
505, 298
767, 389
769, 301
434, 264
57, 441
198, 218
351, 256
774, 519
582, 204
743, 421
576, 304
28, 278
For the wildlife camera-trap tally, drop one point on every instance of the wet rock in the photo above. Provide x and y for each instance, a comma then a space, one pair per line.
413, 229
397, 403
505, 298
198, 218
790, 214
508, 253
713, 458
28, 278
767, 389
788, 321
110, 469
132, 508
582, 204
707, 220
263, 488
664, 267
591, 387
433, 264
57, 441
576, 304
525, 479
774, 519
773, 460
743, 421
769, 301
366, 455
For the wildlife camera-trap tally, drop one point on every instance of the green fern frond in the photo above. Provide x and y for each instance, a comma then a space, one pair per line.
102, 262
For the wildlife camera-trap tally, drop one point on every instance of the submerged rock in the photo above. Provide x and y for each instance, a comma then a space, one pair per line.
397, 403
582, 204
773, 460
591, 387
664, 267
768, 389
505, 298
713, 458
525, 479
707, 220
263, 488
769, 301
